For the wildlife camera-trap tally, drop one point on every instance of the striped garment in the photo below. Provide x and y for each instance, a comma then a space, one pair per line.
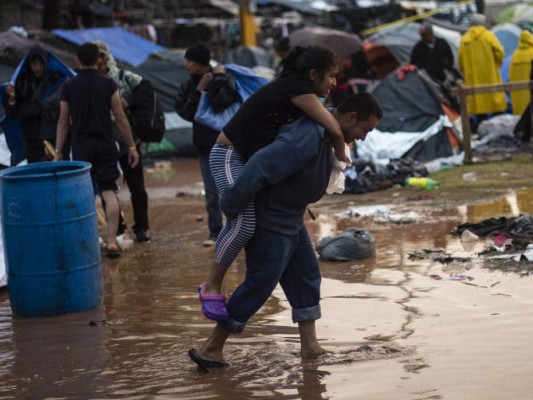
226, 164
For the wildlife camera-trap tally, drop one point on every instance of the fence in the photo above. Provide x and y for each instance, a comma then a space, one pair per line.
462, 91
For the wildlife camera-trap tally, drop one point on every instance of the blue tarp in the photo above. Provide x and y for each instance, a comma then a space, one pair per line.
11, 128
125, 46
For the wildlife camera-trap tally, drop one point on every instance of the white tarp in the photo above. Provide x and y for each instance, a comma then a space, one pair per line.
380, 146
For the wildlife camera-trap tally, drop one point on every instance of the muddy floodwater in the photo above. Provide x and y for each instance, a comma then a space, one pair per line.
401, 325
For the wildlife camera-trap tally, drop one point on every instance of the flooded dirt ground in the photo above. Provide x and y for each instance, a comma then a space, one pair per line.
399, 325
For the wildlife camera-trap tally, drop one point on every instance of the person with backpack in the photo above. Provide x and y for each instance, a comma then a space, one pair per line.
127, 83
24, 101
197, 63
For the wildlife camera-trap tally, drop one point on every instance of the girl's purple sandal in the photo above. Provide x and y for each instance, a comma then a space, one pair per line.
213, 305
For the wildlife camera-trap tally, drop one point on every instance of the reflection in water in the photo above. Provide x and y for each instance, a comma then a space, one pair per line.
56, 357
512, 205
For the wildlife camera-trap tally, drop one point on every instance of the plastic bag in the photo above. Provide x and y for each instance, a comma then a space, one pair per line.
351, 244
205, 114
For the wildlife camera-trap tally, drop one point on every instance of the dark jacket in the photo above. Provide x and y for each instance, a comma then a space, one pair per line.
283, 178
434, 60
222, 90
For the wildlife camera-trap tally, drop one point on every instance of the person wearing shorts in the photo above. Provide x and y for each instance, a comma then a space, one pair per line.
87, 101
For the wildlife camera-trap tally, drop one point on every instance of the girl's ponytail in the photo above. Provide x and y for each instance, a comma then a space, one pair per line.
289, 61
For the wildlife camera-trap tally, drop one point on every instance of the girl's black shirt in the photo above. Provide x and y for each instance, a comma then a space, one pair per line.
257, 122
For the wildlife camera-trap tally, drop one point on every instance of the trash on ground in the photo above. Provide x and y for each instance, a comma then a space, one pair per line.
453, 277
421, 182
351, 244
382, 213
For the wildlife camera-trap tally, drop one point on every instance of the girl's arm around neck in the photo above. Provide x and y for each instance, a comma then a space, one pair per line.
314, 109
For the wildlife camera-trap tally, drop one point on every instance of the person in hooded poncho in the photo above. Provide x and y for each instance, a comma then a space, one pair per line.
24, 100
480, 58
520, 70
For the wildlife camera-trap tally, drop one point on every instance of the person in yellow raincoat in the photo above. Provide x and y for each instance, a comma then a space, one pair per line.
520, 70
480, 57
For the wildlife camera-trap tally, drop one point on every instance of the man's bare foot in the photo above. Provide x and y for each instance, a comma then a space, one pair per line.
312, 352
216, 355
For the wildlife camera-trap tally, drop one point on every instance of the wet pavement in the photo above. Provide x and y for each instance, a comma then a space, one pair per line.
399, 325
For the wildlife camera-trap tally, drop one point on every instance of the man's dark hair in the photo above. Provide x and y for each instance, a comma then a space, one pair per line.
87, 54
426, 28
284, 44
364, 104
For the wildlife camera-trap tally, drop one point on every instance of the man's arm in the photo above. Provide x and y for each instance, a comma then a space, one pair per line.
10, 103
62, 129
124, 128
296, 144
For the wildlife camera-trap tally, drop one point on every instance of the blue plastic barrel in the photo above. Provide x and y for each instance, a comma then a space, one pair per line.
50, 234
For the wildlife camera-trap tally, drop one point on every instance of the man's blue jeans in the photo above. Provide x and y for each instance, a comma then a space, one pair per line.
271, 258
214, 215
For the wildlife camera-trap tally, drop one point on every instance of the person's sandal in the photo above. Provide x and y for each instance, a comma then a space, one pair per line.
113, 252
213, 305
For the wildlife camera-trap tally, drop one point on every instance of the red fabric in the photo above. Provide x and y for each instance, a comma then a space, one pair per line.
404, 69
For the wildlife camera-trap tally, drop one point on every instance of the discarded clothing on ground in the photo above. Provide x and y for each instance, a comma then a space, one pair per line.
514, 227
365, 176
351, 244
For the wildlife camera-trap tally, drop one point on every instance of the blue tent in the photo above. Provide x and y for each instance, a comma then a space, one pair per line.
11, 128
125, 46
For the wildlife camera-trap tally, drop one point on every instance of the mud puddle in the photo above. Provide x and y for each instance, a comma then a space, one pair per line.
396, 326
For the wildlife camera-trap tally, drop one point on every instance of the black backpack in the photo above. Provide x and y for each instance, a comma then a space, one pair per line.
146, 112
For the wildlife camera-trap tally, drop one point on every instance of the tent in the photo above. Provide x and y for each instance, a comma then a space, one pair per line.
166, 71
124, 45
388, 49
248, 56
414, 123
508, 35
517, 13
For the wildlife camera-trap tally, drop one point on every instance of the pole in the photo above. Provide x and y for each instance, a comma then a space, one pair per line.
465, 122
248, 28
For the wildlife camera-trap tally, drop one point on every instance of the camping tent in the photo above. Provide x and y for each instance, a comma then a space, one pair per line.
508, 35
124, 45
166, 70
414, 124
248, 56
388, 49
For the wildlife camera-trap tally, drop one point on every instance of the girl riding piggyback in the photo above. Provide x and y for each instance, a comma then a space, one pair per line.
308, 73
